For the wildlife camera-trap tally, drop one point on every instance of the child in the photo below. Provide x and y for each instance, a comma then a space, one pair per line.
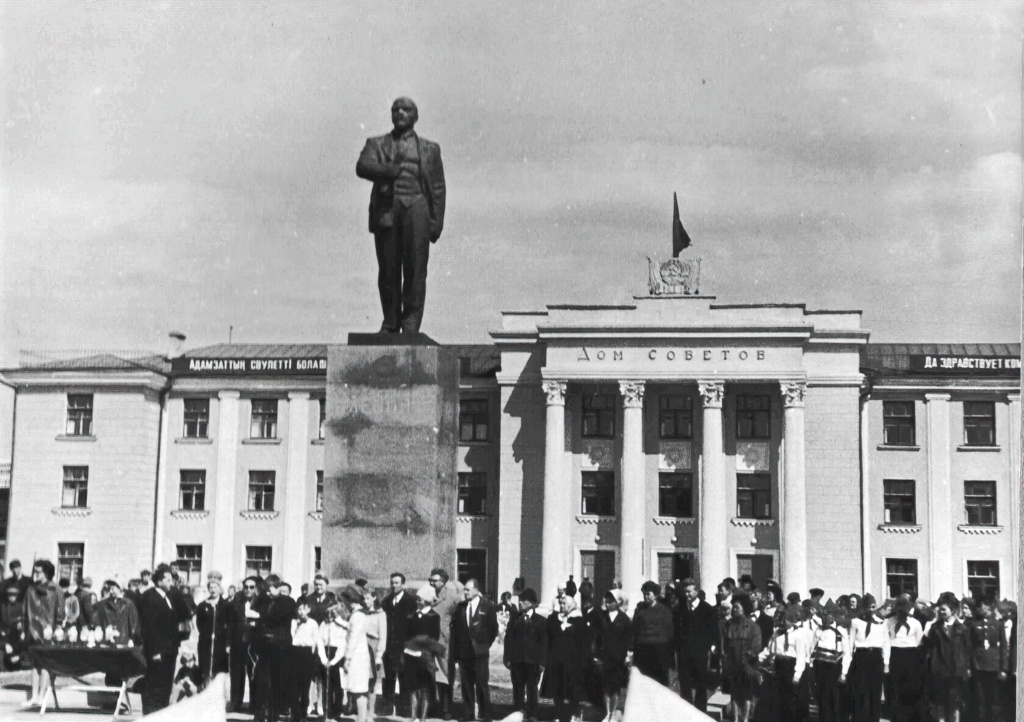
333, 640
305, 644
186, 681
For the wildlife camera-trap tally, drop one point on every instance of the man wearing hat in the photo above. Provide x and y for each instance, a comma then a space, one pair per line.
697, 636
652, 635
526, 646
119, 620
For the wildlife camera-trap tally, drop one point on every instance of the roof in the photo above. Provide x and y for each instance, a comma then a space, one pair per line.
98, 361
895, 357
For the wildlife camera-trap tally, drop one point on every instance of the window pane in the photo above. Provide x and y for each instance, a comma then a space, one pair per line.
70, 560
79, 421
472, 564
900, 501
675, 497
598, 493
258, 561
901, 577
983, 579
472, 493
754, 496
197, 417
753, 417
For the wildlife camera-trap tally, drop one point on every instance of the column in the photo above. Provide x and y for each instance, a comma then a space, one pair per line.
225, 507
295, 556
1013, 452
556, 549
159, 555
714, 505
865, 495
794, 516
940, 506
633, 488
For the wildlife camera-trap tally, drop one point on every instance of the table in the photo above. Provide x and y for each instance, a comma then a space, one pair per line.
78, 660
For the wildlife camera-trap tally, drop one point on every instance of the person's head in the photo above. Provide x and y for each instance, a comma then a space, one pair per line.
285, 589
816, 594
404, 114
146, 576
42, 571
867, 603
188, 659
854, 602
64, 583
438, 578
650, 590
566, 605
162, 577
320, 583
947, 606
213, 588
1007, 609
471, 589
12, 595
134, 584
742, 606
527, 599
425, 596
984, 608
506, 597
303, 611
15, 567
690, 590
747, 583
273, 584
250, 586
111, 588
214, 576
397, 582
611, 602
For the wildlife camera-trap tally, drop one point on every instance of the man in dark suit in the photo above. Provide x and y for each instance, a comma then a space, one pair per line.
526, 648
398, 606
160, 640
697, 635
241, 623
406, 214
319, 600
474, 629
272, 637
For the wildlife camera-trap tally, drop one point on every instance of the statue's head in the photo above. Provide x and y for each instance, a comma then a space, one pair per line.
404, 114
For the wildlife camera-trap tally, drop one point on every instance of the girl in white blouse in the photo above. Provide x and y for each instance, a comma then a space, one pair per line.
830, 655
905, 662
869, 639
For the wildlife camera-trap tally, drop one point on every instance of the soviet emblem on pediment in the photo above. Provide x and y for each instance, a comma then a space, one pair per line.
674, 277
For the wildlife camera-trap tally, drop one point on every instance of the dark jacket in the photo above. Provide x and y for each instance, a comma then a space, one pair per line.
987, 642
318, 605
398, 616
697, 630
652, 625
614, 637
473, 638
274, 627
566, 654
239, 628
376, 163
44, 607
21, 584
123, 616
741, 644
159, 626
948, 652
526, 640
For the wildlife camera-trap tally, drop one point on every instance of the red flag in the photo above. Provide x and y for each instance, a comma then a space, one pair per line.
680, 239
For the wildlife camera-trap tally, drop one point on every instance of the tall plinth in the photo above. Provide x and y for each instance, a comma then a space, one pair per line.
390, 482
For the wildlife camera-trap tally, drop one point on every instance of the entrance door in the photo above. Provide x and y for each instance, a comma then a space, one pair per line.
758, 566
599, 568
674, 565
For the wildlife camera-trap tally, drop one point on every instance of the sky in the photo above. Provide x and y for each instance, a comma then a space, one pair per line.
191, 166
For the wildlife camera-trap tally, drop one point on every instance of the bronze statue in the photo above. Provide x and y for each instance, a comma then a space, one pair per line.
406, 214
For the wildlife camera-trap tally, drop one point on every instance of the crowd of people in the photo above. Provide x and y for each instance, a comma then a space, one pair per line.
362, 651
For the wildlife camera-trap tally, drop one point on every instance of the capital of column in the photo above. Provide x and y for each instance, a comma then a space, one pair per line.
632, 394
1013, 398
937, 397
555, 391
793, 394
228, 394
298, 395
711, 393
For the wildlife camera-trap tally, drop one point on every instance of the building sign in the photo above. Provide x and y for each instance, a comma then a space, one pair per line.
311, 365
582, 361
964, 364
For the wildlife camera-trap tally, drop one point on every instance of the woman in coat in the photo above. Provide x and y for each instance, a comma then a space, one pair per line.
212, 623
947, 658
611, 649
358, 665
741, 644
377, 638
563, 675
422, 650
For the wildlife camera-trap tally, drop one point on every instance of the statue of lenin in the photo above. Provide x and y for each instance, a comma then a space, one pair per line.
406, 214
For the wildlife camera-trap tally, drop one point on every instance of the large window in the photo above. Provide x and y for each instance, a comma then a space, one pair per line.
979, 423
261, 490
472, 493
980, 500
675, 495
754, 496
900, 503
76, 487
197, 419
898, 423
264, 419
599, 493
675, 417
79, 415
753, 417
598, 416
70, 560
320, 490
472, 564
473, 420
258, 561
192, 490
983, 580
900, 577
322, 427
190, 563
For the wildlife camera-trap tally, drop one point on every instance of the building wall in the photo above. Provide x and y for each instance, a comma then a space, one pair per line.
481, 531
117, 527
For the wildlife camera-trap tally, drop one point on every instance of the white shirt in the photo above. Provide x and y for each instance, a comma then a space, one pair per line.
829, 639
471, 607
305, 634
878, 638
796, 647
903, 637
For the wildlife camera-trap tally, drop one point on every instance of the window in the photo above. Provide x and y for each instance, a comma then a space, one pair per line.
901, 577
472, 564
599, 492
318, 560
197, 418
753, 417
319, 490
258, 561
473, 420
322, 433
598, 416
192, 490
676, 565
599, 568
980, 500
900, 505
754, 496
675, 495
979, 423
472, 493
675, 417
70, 560
79, 415
264, 419
898, 423
190, 563
983, 580
261, 490
76, 487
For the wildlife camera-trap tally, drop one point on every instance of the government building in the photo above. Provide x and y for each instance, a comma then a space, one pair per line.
668, 437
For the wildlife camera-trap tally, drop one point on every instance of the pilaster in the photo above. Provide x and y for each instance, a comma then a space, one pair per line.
940, 506
556, 550
714, 511
224, 506
633, 488
794, 519
296, 483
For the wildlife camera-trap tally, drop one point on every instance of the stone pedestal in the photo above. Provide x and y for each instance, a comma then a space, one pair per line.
390, 482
